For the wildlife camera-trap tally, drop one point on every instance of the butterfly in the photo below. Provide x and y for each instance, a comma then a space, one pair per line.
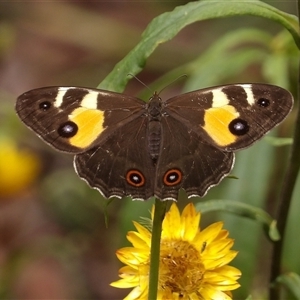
124, 146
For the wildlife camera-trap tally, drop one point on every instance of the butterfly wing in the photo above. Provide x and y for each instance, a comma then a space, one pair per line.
73, 119
109, 133
187, 161
232, 117
202, 128
122, 165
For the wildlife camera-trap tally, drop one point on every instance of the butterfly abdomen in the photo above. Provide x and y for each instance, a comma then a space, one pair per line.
154, 139
154, 126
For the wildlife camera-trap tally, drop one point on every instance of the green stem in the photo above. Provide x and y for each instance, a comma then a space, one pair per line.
159, 214
285, 199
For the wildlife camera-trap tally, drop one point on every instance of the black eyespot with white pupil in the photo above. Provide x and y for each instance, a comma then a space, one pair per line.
45, 105
263, 102
67, 129
172, 177
238, 127
135, 178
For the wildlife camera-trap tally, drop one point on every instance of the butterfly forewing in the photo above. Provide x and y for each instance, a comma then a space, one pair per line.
72, 119
232, 117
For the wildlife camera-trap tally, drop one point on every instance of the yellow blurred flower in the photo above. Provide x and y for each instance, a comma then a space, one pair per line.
193, 263
18, 168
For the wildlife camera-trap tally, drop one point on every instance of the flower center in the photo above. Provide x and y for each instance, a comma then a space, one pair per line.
181, 268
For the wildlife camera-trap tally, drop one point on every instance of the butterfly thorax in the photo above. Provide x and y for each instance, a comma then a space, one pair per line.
154, 110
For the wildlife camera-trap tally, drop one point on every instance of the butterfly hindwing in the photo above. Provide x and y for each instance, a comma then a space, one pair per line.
183, 162
120, 166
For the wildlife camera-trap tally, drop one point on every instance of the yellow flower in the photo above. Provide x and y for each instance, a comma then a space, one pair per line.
193, 263
18, 168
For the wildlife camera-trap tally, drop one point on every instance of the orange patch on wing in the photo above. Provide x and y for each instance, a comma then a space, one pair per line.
90, 126
216, 123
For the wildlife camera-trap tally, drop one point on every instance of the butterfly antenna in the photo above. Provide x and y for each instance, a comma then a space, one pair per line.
172, 82
146, 86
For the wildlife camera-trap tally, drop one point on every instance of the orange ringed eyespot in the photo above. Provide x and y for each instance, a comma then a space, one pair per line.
135, 178
172, 177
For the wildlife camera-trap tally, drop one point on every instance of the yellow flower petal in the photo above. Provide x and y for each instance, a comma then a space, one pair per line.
134, 294
211, 232
125, 283
144, 232
137, 240
230, 271
210, 292
132, 256
171, 224
190, 223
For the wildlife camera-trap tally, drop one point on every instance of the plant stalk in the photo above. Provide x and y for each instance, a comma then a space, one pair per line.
159, 214
285, 199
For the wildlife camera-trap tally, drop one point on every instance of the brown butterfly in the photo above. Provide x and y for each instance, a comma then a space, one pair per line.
126, 147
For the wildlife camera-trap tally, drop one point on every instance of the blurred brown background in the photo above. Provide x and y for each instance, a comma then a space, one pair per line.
54, 243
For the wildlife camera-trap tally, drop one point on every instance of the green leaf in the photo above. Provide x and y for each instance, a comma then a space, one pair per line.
244, 210
291, 281
278, 141
228, 56
167, 25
